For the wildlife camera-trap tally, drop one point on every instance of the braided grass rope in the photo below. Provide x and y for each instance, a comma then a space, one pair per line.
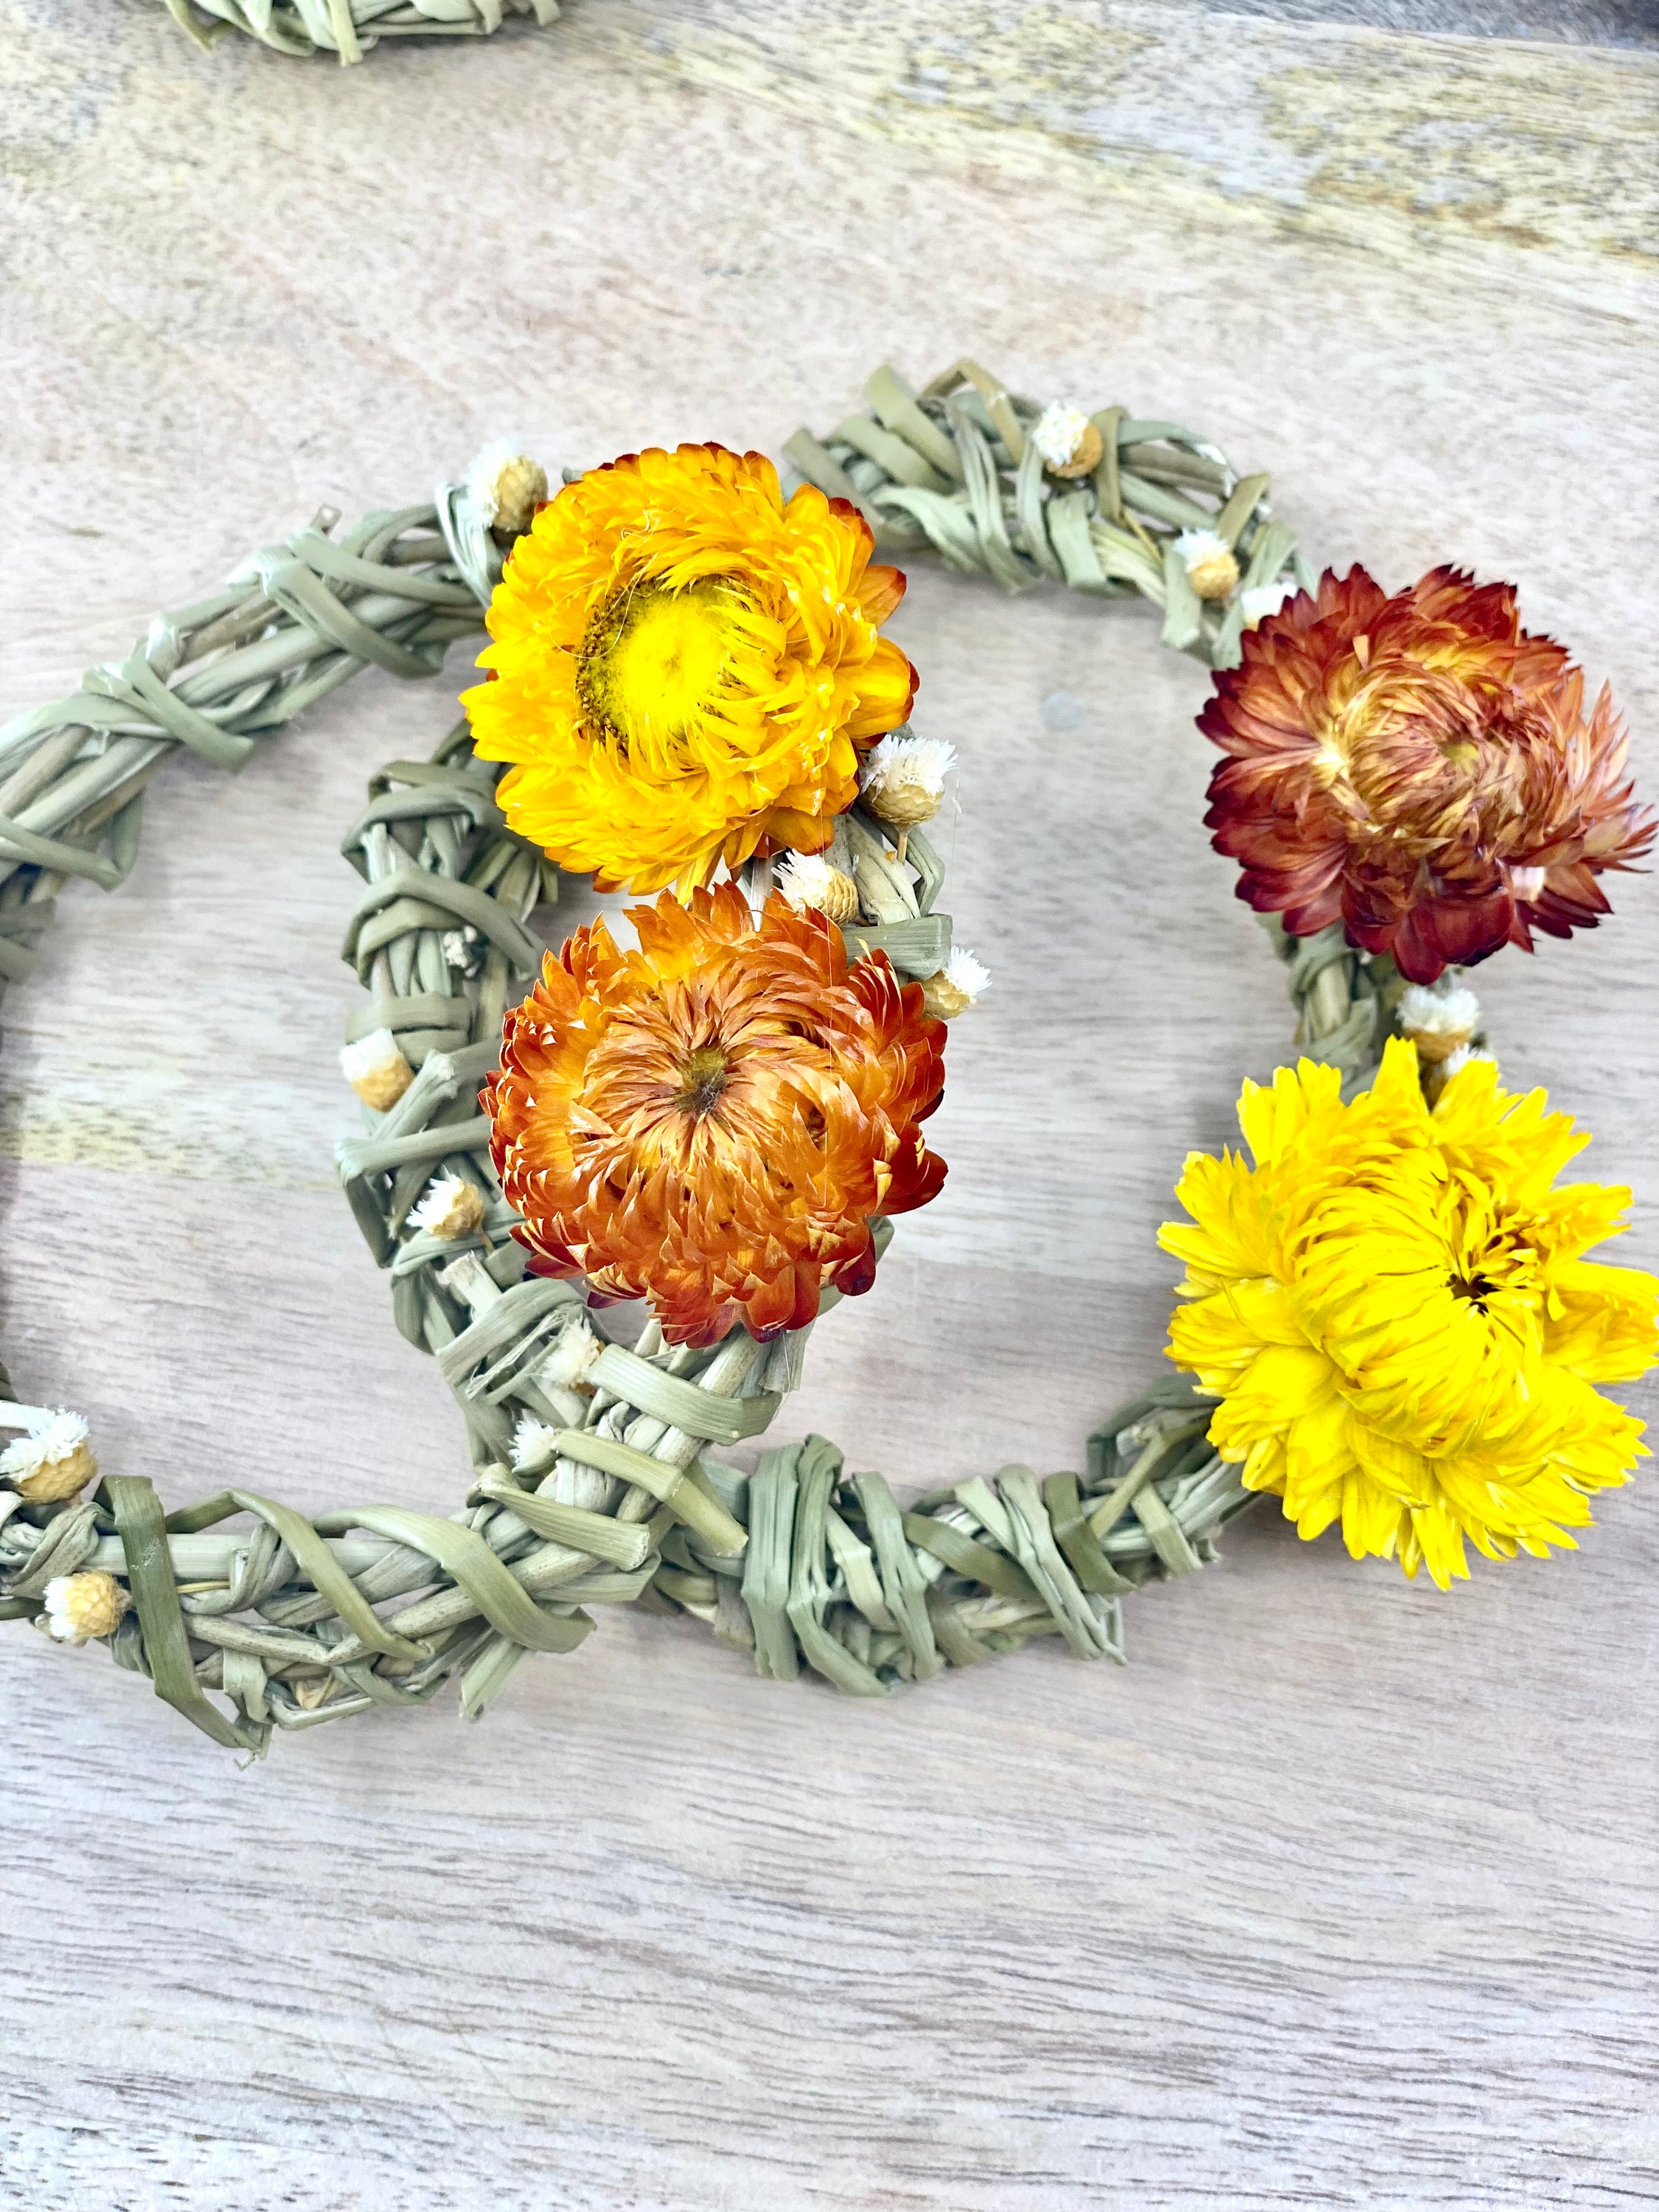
594, 1474
348, 28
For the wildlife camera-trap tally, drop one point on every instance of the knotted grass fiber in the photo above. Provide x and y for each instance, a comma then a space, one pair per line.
348, 28
623, 1497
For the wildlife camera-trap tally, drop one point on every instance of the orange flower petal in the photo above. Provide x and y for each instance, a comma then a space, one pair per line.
712, 1122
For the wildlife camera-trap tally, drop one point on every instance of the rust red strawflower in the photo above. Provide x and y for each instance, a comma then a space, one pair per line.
1421, 769
713, 1120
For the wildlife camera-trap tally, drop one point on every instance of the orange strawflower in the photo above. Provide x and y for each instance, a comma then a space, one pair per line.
713, 1120
1421, 769
686, 668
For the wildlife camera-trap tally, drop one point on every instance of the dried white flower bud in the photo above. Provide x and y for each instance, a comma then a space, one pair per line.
451, 1207
85, 1605
568, 1364
1264, 600
376, 1070
1455, 1062
532, 1440
956, 987
460, 948
904, 779
1068, 441
807, 879
1208, 560
53, 1461
504, 487
1439, 1019
1438, 1073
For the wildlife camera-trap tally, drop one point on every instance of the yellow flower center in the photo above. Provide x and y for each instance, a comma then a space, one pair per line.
703, 1078
654, 660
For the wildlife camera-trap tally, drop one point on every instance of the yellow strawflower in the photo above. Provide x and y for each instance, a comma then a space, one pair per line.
1394, 1308
685, 668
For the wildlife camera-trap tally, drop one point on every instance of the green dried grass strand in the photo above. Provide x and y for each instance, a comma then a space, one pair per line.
772, 1490
670, 1486
328, 1578
995, 1570
463, 1555
142, 1527
624, 1543
700, 1413
1077, 1540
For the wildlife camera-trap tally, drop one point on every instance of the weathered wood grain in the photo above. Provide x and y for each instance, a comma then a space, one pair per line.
1342, 1893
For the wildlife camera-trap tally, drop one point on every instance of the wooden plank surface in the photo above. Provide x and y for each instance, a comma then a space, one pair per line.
1342, 1892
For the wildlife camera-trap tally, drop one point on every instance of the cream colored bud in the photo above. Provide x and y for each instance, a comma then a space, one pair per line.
376, 1070
450, 1208
504, 487
79, 1607
806, 879
1068, 441
955, 988
904, 779
1439, 1019
1211, 570
567, 1366
903, 805
53, 1461
1438, 1073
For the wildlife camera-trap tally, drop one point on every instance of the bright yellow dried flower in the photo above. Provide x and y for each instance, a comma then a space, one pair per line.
1394, 1309
686, 668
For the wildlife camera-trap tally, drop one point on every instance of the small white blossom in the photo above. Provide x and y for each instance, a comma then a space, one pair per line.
907, 770
1060, 432
460, 947
531, 1441
568, 1364
54, 1434
84, 1605
1456, 1061
1197, 546
504, 487
1445, 1009
451, 1207
956, 987
807, 879
1208, 560
376, 1070
965, 973
1264, 600
53, 1461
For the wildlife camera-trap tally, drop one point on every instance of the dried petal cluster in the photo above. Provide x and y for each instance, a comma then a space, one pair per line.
53, 1460
713, 1120
1421, 769
686, 667
1394, 1308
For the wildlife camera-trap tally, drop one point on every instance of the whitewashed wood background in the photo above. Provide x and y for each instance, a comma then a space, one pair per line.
1343, 1893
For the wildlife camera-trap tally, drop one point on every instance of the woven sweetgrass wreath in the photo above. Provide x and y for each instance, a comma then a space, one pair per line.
1388, 1317
347, 29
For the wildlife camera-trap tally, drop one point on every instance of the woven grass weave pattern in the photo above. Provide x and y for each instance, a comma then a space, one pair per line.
614, 1493
348, 28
